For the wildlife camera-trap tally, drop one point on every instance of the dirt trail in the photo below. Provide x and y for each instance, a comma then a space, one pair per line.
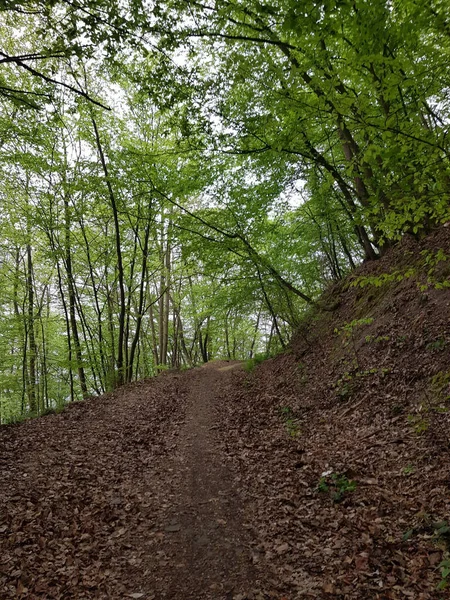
208, 545
126, 496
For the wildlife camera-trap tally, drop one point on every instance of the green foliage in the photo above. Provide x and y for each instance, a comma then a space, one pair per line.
437, 267
440, 385
437, 345
251, 364
289, 418
434, 264
345, 386
408, 470
377, 339
348, 329
439, 533
419, 423
337, 485
436, 400
384, 278
347, 383
303, 375
444, 567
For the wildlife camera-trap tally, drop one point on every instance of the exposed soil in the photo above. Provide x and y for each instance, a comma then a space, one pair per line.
323, 473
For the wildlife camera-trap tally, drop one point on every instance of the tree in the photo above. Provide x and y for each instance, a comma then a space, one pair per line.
253, 153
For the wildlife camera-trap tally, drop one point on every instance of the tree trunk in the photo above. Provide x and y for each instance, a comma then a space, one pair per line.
32, 354
72, 299
117, 236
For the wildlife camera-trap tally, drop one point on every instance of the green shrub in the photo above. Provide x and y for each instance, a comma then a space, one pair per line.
252, 363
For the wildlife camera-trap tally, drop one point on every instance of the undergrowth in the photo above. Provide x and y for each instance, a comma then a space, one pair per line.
251, 364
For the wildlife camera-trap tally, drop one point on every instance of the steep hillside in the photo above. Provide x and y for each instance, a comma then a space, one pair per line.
343, 442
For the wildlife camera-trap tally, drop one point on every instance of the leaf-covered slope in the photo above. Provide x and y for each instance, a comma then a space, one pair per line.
343, 441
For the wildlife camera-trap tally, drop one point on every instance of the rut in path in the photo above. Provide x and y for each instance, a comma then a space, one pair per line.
129, 495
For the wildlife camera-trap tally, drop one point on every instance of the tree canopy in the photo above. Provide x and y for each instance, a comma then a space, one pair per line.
180, 180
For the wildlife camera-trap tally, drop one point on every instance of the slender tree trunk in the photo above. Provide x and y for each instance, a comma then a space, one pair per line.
227, 335
31, 337
22, 327
134, 343
252, 347
68, 332
72, 299
164, 292
122, 299
272, 312
100, 336
44, 368
154, 339
127, 366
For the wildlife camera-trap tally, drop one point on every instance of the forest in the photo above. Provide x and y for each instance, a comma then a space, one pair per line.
182, 179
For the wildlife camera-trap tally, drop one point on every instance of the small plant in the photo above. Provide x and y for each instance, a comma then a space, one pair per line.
444, 566
347, 330
419, 424
302, 373
288, 417
323, 485
442, 531
437, 531
347, 333
338, 485
367, 373
440, 385
293, 428
442, 537
346, 383
377, 339
409, 470
286, 412
251, 364
437, 345
344, 386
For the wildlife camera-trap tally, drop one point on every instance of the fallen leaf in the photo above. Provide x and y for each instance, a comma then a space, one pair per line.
282, 548
172, 528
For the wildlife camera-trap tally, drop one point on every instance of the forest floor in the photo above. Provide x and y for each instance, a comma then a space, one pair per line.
131, 495
323, 473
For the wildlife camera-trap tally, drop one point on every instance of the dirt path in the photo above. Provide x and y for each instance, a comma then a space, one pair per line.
207, 544
126, 496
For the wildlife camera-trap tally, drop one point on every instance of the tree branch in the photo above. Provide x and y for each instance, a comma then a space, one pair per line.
79, 92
